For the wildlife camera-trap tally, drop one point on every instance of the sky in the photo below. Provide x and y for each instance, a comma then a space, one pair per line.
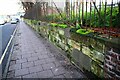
8, 7
97, 1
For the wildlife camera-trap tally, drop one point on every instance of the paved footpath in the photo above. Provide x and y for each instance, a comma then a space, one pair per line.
34, 57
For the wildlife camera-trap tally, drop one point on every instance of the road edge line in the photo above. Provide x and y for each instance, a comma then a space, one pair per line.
8, 61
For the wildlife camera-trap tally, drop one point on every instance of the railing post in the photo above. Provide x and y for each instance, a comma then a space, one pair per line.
100, 13
90, 12
105, 13
71, 9
79, 11
111, 13
86, 13
82, 12
95, 16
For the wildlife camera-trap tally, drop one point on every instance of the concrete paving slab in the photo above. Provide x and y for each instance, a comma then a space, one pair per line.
34, 57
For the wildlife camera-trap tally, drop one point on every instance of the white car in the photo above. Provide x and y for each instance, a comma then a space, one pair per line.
2, 21
13, 21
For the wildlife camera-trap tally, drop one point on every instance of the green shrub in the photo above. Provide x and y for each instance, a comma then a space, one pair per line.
34, 22
53, 24
58, 25
62, 25
84, 31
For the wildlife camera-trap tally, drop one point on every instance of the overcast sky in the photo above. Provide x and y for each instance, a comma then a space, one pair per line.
12, 6
9, 7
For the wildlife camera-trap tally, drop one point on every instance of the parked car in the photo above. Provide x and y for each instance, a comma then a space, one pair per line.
14, 21
2, 21
17, 19
7, 18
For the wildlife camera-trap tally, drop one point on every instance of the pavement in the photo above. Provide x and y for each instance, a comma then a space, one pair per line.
35, 57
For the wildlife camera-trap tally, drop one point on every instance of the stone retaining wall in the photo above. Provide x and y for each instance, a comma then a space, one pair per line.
89, 54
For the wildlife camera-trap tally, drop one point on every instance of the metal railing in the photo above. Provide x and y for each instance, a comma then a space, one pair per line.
99, 15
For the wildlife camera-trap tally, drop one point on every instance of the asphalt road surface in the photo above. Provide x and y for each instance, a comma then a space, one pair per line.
7, 30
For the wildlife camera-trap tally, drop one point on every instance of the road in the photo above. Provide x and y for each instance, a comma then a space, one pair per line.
7, 30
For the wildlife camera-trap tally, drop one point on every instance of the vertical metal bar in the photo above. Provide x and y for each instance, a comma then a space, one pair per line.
82, 11
44, 9
111, 13
86, 13
90, 13
118, 6
40, 11
100, 5
71, 9
76, 8
100, 12
79, 11
52, 9
105, 13
66, 10
47, 8
37, 11
95, 16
